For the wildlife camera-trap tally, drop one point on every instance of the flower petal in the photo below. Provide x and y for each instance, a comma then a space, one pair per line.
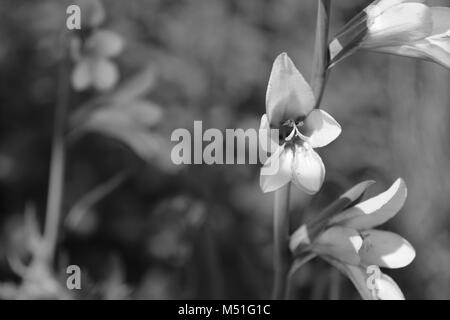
277, 170
400, 24
105, 43
385, 249
441, 20
92, 11
374, 211
308, 171
321, 128
340, 243
268, 138
104, 74
288, 95
387, 289
422, 50
81, 75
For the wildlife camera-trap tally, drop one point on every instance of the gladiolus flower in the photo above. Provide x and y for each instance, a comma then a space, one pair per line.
401, 27
93, 64
290, 109
350, 243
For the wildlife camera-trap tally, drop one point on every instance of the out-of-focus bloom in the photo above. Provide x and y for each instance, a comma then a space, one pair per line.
92, 13
290, 108
93, 64
350, 243
402, 27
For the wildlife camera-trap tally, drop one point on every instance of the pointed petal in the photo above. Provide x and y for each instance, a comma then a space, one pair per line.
308, 170
388, 289
288, 95
400, 24
105, 43
340, 243
276, 172
321, 128
268, 138
81, 75
104, 74
374, 211
385, 249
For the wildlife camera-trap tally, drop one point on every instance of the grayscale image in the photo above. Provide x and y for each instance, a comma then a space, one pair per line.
224, 150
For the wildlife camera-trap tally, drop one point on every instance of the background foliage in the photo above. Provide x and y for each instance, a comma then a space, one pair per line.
162, 231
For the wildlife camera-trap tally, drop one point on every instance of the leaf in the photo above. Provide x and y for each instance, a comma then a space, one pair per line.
82, 206
374, 211
349, 198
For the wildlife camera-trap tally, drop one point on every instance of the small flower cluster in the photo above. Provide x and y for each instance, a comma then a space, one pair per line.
93, 49
347, 239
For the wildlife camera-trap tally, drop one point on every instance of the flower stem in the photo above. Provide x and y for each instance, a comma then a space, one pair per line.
57, 162
282, 256
321, 58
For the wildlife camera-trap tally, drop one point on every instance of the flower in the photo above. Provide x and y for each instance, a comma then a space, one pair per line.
93, 13
290, 110
349, 242
93, 66
401, 27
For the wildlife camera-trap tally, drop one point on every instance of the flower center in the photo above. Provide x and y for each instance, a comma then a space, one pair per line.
290, 133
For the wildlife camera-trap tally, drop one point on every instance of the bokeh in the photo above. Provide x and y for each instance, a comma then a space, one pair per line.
141, 227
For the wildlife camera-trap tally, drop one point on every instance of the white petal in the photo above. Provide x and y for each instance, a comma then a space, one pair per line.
385, 249
268, 138
378, 7
400, 24
92, 13
374, 211
322, 128
81, 75
276, 172
105, 43
387, 289
288, 95
308, 171
339, 243
104, 74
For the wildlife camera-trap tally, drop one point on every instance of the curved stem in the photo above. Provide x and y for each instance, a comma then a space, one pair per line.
57, 162
282, 256
321, 54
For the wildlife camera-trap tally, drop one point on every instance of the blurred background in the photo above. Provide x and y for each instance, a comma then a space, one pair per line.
142, 228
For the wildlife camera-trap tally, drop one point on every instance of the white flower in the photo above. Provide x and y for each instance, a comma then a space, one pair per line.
93, 64
290, 108
349, 242
402, 27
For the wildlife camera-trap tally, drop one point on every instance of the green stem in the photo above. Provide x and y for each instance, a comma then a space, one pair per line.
321, 57
282, 256
57, 162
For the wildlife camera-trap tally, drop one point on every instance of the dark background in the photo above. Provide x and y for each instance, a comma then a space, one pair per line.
204, 231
